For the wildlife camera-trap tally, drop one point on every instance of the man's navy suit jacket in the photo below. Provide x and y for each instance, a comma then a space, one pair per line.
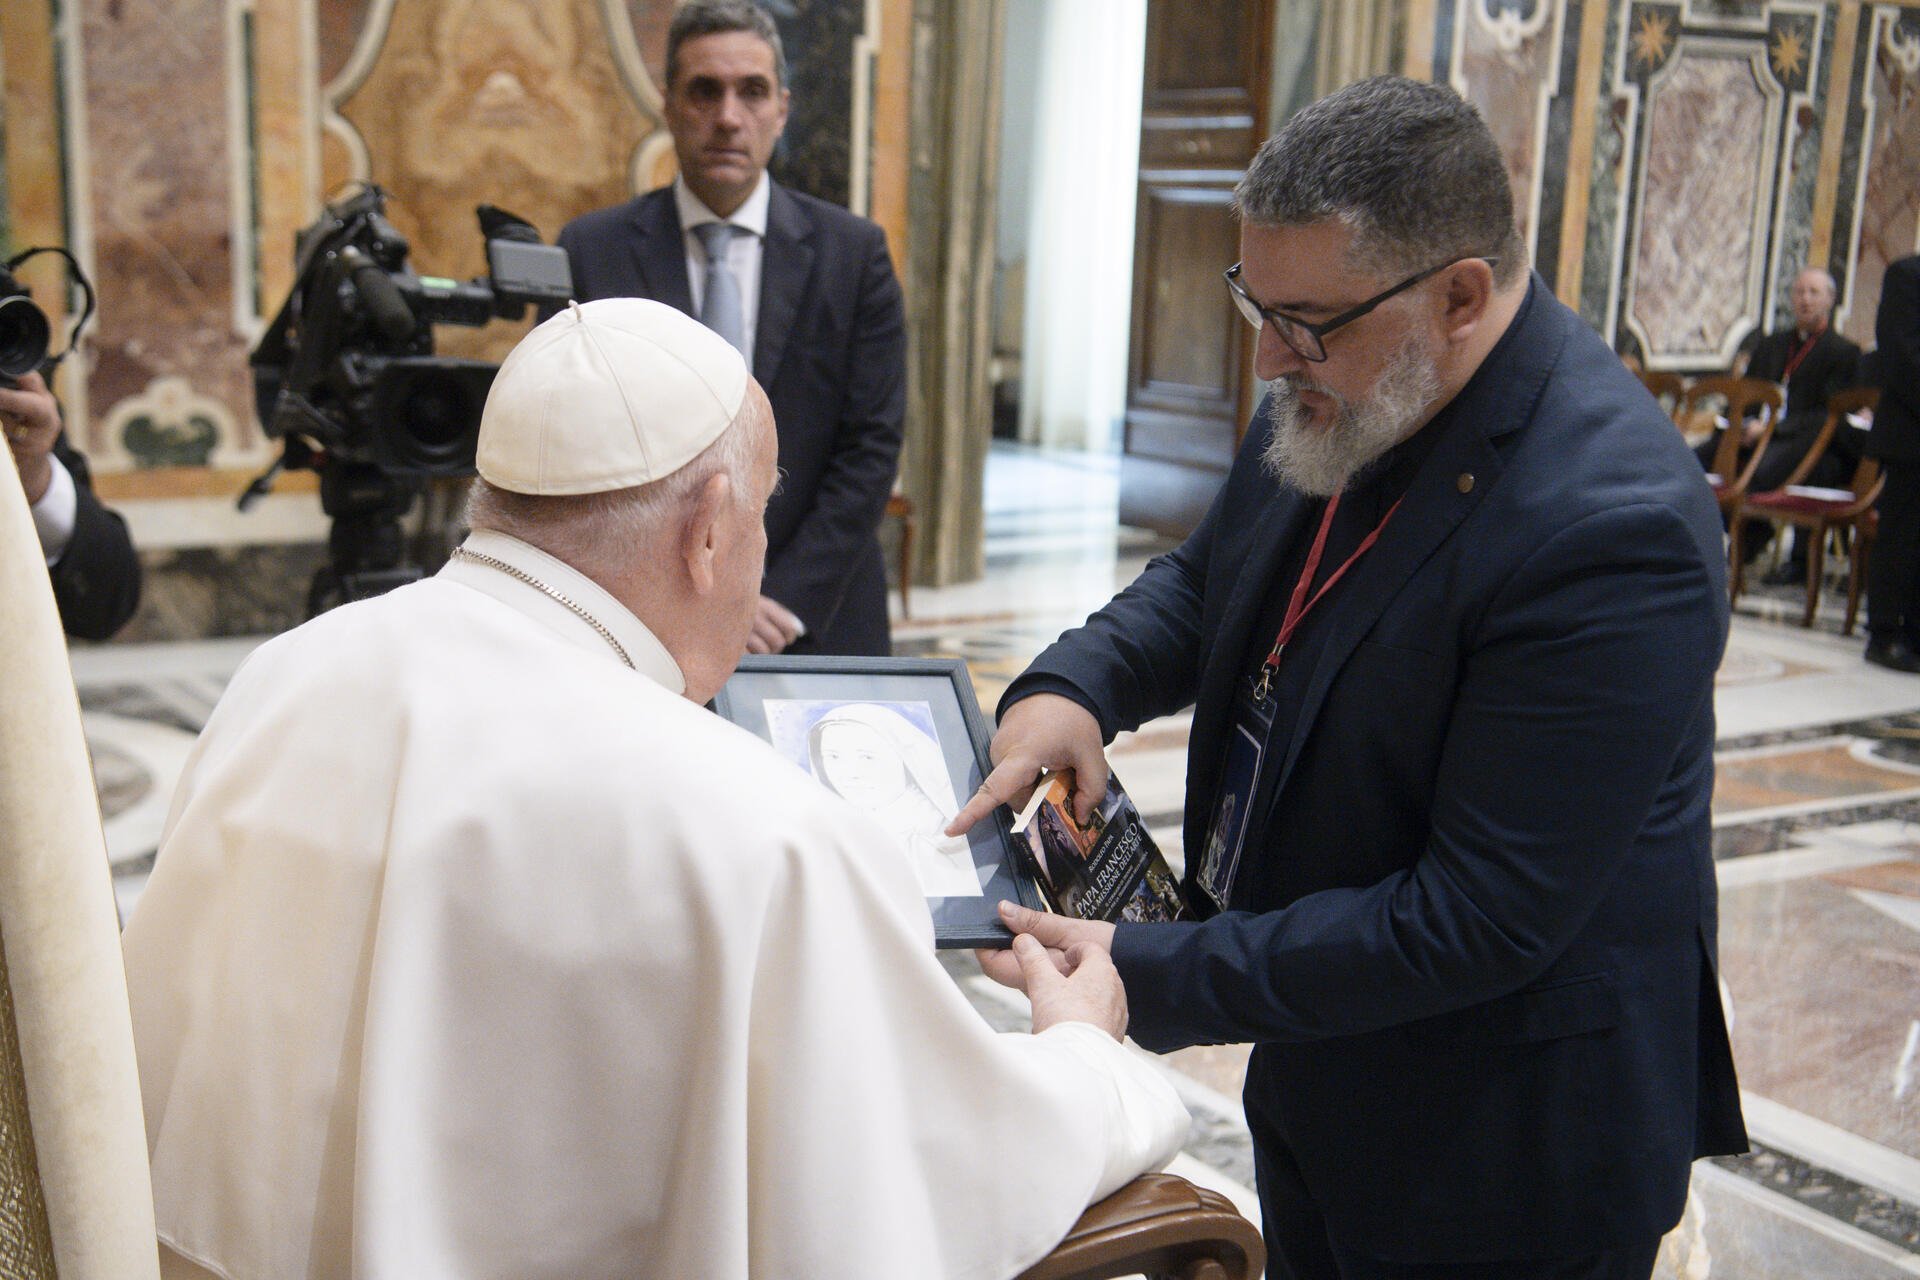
96, 581
829, 349
1474, 928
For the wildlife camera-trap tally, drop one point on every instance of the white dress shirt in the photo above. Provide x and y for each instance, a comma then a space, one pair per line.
743, 252
54, 515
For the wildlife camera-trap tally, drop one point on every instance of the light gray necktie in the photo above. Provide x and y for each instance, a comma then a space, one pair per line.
720, 300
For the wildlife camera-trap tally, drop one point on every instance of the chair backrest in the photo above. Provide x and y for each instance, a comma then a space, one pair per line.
1668, 388
73, 1145
1839, 406
1743, 398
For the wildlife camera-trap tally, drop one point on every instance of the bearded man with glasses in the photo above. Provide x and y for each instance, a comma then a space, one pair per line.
1449, 633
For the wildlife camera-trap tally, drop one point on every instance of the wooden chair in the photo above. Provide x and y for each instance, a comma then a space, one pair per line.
75, 1195
900, 507
1162, 1225
1817, 510
1744, 398
1668, 388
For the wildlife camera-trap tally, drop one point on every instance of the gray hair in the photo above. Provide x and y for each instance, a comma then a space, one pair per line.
598, 532
1410, 167
717, 17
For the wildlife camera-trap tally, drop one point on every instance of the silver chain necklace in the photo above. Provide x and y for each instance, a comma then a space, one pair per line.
540, 586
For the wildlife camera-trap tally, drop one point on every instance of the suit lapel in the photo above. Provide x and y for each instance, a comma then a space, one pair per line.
1432, 509
1281, 520
660, 251
786, 262
1499, 400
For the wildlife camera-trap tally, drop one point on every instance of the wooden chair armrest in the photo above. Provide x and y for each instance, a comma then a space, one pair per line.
1161, 1225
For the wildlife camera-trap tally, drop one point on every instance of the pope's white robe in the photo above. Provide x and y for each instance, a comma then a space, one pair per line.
471, 953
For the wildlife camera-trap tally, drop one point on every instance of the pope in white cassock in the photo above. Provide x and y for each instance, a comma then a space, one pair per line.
476, 947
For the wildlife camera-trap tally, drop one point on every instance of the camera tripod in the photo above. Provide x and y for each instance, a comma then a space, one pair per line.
368, 553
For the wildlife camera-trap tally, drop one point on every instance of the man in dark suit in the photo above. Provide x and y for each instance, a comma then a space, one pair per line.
1813, 362
1893, 575
96, 574
806, 291
1456, 614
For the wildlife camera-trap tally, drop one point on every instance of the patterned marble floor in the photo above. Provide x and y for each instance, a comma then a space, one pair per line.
1817, 835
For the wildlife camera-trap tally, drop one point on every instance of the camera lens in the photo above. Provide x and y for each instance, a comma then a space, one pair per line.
438, 414
23, 336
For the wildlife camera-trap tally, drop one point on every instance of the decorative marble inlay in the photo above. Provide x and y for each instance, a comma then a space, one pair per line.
155, 93
518, 103
1707, 167
1887, 227
171, 425
1836, 769
1506, 61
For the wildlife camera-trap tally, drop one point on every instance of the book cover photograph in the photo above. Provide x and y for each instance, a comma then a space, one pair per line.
1109, 869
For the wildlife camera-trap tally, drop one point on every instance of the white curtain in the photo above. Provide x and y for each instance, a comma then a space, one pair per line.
1079, 290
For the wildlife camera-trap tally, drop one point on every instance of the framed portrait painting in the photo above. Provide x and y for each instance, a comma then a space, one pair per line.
902, 740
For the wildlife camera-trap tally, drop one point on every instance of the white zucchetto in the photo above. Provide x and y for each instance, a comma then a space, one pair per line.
607, 395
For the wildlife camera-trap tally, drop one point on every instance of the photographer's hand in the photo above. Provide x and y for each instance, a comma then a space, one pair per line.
31, 419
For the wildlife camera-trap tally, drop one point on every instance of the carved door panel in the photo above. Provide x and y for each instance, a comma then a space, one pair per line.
1203, 109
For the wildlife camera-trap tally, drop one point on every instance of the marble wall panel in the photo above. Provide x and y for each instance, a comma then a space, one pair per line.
154, 85
1889, 179
1507, 62
1706, 165
511, 102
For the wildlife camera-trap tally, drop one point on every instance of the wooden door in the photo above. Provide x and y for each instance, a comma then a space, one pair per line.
1203, 113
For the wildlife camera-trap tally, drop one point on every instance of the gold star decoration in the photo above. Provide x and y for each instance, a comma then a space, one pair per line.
1789, 52
1652, 38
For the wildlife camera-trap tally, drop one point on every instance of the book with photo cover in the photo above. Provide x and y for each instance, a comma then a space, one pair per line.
1109, 869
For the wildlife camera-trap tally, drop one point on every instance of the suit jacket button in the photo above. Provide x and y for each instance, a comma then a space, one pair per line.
1465, 482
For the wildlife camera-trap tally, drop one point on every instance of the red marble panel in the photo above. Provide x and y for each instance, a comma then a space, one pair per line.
1822, 771
155, 86
1708, 164
1824, 988
1890, 199
1506, 85
650, 19
340, 24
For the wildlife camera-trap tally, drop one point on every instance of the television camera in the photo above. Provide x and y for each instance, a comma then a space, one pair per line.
346, 378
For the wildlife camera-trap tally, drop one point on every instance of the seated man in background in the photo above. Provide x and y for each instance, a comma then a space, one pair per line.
1812, 362
476, 947
96, 574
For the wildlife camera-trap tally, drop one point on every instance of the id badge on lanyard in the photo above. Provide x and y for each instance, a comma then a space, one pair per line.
1239, 775
1253, 719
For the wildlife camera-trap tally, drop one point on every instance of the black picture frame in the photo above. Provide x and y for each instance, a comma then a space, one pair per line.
792, 702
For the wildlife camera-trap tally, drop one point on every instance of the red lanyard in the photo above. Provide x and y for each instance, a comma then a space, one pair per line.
1793, 361
1298, 605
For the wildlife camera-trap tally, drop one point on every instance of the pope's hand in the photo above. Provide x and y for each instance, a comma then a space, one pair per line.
1067, 972
1045, 731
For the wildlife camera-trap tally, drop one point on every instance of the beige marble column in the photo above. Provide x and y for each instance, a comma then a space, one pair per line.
1357, 40
952, 192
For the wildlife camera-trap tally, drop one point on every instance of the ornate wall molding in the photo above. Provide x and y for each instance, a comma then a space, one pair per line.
1506, 60
1713, 102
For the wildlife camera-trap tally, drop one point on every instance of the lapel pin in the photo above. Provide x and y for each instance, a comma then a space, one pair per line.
1465, 482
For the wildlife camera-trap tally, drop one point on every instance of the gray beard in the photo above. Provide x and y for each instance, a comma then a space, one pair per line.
1320, 461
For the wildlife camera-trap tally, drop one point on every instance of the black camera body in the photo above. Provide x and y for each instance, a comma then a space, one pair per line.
24, 330
348, 366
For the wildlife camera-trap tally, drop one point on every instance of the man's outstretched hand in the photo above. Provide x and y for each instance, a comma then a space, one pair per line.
1045, 731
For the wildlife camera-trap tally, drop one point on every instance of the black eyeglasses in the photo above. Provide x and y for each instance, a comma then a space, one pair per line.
1306, 339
